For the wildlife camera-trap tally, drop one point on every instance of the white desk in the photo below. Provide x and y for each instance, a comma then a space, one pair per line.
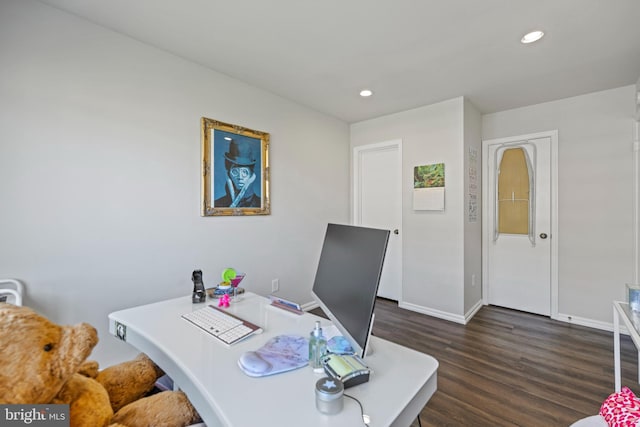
631, 320
402, 382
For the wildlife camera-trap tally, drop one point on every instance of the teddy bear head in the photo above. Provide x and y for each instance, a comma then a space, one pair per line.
38, 356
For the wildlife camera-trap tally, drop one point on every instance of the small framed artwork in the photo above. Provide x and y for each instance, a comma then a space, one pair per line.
428, 187
235, 170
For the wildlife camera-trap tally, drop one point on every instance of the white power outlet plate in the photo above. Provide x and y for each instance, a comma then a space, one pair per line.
275, 285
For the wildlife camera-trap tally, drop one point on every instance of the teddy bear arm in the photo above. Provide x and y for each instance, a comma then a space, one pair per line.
88, 402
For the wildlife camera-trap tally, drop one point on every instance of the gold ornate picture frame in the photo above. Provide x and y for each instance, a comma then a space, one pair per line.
235, 170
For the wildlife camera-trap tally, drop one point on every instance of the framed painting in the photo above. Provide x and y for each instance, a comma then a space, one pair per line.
235, 170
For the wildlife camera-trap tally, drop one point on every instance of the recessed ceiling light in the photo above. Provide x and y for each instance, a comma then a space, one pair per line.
366, 92
531, 37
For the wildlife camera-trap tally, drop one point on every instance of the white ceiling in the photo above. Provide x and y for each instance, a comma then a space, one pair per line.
321, 53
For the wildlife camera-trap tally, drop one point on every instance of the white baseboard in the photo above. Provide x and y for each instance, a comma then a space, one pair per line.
443, 314
576, 320
582, 321
433, 312
309, 306
590, 323
472, 312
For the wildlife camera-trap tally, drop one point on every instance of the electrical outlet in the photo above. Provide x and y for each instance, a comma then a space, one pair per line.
275, 285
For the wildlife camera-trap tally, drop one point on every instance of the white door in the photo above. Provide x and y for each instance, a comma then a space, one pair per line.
520, 269
377, 203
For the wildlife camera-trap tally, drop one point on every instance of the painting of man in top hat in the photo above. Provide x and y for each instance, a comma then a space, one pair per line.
237, 172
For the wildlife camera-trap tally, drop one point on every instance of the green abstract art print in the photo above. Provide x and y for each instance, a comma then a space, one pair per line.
428, 176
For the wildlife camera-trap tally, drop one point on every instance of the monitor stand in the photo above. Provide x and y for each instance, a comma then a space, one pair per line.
368, 351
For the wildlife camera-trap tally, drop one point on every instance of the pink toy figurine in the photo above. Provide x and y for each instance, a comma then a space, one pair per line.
224, 301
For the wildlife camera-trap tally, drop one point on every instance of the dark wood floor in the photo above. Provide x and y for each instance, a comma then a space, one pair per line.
508, 368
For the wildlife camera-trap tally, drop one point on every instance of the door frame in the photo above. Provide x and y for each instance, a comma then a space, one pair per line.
554, 235
355, 196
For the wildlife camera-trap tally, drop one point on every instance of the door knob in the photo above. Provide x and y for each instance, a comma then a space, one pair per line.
396, 231
543, 235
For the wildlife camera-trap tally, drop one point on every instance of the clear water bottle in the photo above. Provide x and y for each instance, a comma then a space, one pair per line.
317, 348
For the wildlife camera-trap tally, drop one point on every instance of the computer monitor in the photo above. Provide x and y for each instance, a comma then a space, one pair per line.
346, 283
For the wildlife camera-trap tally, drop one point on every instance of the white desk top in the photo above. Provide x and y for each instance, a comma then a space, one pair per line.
401, 383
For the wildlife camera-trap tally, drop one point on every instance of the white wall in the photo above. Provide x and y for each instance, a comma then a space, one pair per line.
472, 226
433, 241
442, 250
100, 174
595, 135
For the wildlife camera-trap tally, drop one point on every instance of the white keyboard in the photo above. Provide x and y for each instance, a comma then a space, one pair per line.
225, 326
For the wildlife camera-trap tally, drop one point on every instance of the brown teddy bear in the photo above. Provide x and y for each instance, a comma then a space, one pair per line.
45, 363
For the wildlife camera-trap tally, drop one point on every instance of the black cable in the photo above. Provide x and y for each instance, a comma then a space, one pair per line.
361, 408
362, 411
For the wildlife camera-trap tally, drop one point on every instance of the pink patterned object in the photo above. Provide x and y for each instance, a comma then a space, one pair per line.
621, 409
224, 301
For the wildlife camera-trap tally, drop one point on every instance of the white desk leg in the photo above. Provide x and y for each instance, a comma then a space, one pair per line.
616, 349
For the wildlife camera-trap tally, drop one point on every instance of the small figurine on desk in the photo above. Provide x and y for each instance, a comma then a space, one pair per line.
224, 301
199, 294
